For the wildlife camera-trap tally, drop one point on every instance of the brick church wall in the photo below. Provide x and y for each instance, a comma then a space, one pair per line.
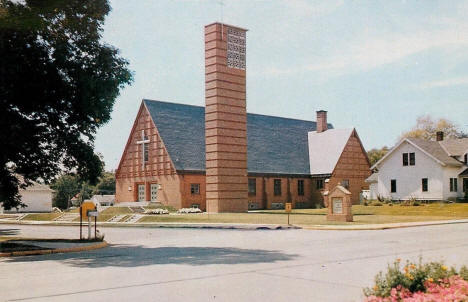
353, 166
159, 168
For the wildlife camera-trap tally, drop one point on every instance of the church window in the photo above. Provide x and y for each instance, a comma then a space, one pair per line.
453, 185
277, 187
252, 186
300, 187
319, 184
393, 186
195, 189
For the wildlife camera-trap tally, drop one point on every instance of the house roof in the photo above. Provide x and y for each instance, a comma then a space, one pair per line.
275, 144
455, 147
434, 149
373, 178
464, 173
326, 148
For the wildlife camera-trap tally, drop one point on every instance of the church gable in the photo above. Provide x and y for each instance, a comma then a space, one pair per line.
353, 162
145, 153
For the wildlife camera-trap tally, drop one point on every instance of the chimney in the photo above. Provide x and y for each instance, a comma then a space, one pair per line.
321, 121
440, 136
225, 119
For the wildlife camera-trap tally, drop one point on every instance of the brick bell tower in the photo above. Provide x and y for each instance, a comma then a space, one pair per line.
225, 119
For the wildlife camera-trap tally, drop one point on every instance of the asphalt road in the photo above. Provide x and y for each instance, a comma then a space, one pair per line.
149, 264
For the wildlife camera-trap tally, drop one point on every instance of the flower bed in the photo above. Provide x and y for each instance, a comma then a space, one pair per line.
419, 283
157, 212
189, 211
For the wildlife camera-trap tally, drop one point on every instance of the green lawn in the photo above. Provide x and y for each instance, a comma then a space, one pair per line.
362, 215
42, 216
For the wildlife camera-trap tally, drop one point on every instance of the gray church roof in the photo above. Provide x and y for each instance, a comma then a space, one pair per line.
275, 144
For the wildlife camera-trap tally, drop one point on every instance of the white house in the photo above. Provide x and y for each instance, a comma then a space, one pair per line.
422, 169
37, 198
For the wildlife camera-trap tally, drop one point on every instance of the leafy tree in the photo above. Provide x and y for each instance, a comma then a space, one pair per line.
106, 184
376, 154
426, 128
58, 84
65, 187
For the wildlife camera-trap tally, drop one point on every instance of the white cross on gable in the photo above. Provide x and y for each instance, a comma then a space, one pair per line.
144, 141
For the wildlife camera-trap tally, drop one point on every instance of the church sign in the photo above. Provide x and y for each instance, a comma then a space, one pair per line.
337, 205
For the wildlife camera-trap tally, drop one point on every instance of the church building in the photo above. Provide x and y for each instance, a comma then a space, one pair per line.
222, 159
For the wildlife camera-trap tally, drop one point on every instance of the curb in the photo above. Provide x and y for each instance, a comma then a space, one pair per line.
377, 227
57, 251
220, 226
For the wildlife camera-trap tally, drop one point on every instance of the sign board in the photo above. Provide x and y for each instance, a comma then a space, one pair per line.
337, 204
288, 207
85, 207
92, 213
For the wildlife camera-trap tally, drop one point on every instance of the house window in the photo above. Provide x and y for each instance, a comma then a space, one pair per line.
277, 187
424, 185
466, 158
252, 186
393, 186
319, 184
412, 159
453, 185
345, 183
300, 187
409, 158
195, 189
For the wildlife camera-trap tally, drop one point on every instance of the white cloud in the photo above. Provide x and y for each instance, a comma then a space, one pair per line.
368, 53
307, 8
445, 83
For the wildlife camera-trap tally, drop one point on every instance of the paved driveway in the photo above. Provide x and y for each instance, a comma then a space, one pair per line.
148, 264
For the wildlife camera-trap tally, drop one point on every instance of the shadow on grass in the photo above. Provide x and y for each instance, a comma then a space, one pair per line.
133, 256
9, 232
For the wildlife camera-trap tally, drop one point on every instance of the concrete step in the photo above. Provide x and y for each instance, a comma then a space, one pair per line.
134, 218
116, 218
67, 217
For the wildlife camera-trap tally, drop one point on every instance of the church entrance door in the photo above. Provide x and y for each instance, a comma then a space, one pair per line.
141, 193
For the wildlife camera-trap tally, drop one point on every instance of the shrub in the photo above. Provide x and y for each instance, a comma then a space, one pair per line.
158, 211
189, 211
421, 278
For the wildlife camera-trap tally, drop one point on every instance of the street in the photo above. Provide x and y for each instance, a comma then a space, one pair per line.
151, 264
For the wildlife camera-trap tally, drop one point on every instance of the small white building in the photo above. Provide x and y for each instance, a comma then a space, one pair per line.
103, 200
37, 198
422, 169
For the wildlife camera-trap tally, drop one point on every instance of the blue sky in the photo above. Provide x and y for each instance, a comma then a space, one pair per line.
374, 65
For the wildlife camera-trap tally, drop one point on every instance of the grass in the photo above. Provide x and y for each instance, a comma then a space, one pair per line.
41, 216
362, 215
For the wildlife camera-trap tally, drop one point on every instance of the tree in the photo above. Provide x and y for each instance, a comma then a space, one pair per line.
65, 187
58, 84
106, 184
376, 154
426, 128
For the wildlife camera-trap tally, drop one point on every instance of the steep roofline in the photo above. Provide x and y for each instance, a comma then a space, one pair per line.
117, 172
414, 145
353, 131
248, 113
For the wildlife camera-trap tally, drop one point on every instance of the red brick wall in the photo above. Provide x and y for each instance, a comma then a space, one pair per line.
354, 166
188, 199
225, 126
159, 168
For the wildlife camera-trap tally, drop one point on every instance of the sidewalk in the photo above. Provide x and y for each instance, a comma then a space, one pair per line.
240, 226
37, 246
